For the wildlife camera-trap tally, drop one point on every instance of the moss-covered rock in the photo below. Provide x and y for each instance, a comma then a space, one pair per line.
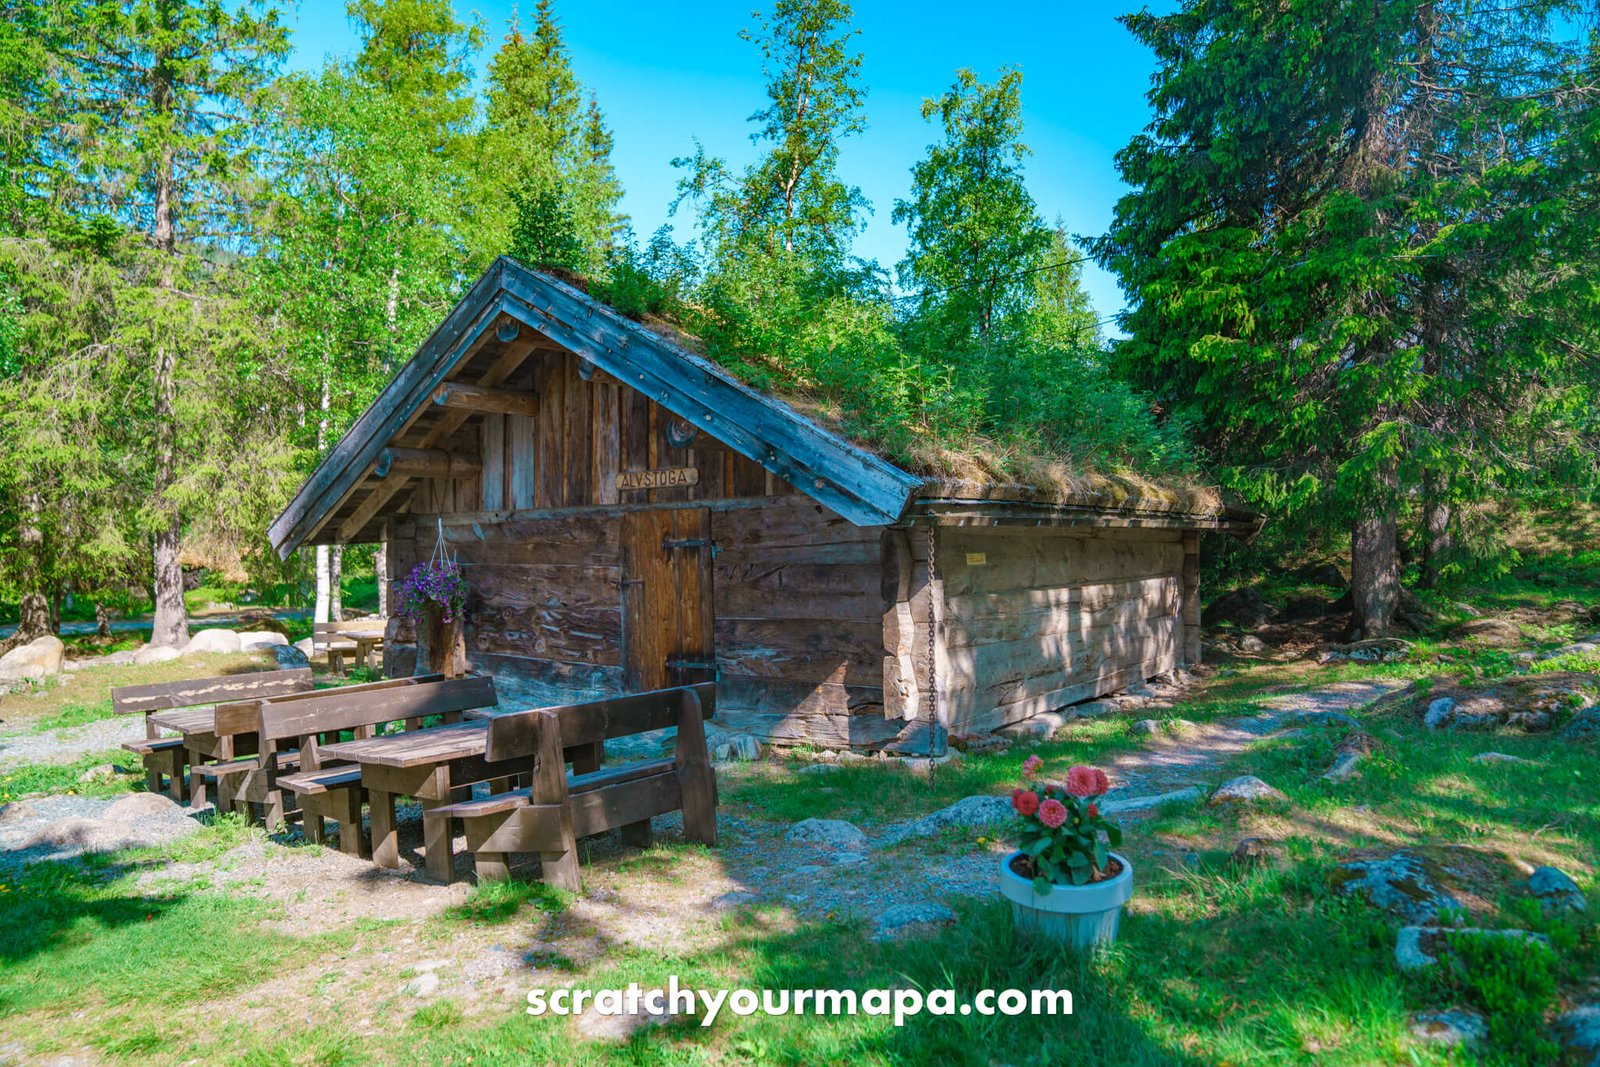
1417, 884
1531, 703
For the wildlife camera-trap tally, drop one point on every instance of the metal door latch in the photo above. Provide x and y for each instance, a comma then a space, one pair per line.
669, 544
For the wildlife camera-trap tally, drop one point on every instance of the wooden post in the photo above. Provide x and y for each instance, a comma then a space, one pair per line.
550, 787
1191, 598
696, 782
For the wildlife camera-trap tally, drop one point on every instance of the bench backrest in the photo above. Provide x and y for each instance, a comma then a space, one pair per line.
352, 707
516, 735
322, 633
198, 692
244, 716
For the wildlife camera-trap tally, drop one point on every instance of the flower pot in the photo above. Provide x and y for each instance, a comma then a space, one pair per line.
1084, 916
446, 644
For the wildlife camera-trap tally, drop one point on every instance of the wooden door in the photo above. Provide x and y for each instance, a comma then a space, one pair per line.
668, 626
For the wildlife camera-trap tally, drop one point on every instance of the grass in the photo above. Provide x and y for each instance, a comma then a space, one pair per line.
67, 777
1216, 964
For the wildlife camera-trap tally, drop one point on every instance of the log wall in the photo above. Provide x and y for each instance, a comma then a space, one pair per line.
1030, 620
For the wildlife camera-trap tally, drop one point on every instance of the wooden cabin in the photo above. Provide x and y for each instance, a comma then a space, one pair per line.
628, 515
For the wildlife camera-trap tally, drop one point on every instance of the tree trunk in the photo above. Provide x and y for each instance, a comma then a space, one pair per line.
171, 626
335, 583
1437, 540
324, 605
380, 564
102, 621
1374, 572
34, 610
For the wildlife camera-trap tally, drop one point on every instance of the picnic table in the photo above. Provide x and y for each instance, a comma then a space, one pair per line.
198, 729
430, 765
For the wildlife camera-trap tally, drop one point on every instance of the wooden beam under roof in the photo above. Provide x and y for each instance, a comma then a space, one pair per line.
491, 399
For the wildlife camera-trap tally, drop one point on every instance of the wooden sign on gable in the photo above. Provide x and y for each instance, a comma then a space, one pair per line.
667, 478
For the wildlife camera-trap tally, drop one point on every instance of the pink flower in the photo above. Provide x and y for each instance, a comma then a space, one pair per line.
1026, 801
1094, 810
1031, 765
1087, 781
1052, 813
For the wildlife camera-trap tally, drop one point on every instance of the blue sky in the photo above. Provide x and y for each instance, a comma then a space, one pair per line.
668, 73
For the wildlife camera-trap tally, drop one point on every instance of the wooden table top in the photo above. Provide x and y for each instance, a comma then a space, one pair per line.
187, 720
416, 748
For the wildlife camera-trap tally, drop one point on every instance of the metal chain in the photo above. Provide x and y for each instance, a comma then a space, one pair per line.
933, 666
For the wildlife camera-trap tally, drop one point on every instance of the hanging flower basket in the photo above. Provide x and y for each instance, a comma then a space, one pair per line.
433, 598
1064, 882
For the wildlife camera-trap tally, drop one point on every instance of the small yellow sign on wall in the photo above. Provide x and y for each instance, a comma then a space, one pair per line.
977, 559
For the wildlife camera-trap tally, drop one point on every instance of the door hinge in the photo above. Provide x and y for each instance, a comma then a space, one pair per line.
669, 544
685, 663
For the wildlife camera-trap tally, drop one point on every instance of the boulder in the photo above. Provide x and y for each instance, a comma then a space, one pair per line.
1041, 726
916, 919
1348, 756
1251, 852
255, 622
738, 747
212, 641
1374, 650
1245, 608
256, 642
1585, 726
1556, 891
1418, 947
39, 658
834, 834
1252, 644
1415, 884
1499, 757
1578, 1031
1583, 646
156, 654
1488, 633
1532, 703
1244, 791
1449, 1028
288, 657
968, 812
142, 805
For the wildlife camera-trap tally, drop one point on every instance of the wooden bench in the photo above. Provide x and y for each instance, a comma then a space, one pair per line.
168, 757
551, 815
290, 730
358, 638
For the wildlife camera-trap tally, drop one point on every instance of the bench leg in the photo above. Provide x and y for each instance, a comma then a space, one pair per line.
491, 867
197, 781
586, 759
152, 776
560, 868
311, 820
437, 855
272, 811
347, 809
385, 840
227, 793
637, 834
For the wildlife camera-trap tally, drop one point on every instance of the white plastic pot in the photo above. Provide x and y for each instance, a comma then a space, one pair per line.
1084, 916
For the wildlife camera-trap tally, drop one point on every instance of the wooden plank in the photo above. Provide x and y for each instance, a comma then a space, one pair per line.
578, 438
1048, 613
750, 587
486, 399
131, 699
244, 716
635, 430
515, 734
493, 452
650, 611
522, 447
844, 651
668, 455
548, 479
607, 441
1191, 598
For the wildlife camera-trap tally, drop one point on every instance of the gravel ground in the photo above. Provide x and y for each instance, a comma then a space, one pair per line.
19, 749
